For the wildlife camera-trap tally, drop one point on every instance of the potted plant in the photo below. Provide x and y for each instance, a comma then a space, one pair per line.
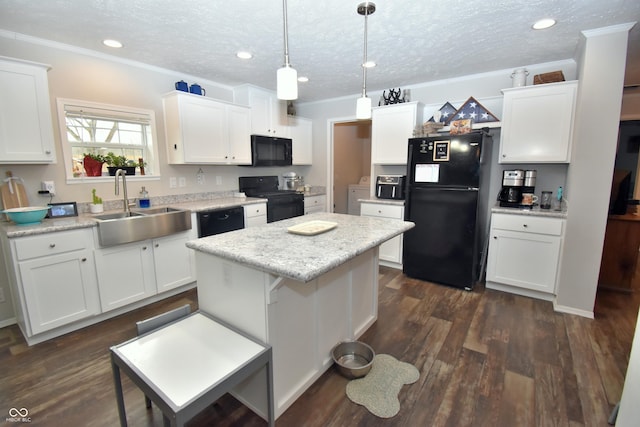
120, 162
96, 205
92, 164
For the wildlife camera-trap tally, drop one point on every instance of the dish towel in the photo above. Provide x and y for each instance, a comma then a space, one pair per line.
378, 390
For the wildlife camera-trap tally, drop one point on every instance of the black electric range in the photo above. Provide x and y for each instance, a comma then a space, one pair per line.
281, 204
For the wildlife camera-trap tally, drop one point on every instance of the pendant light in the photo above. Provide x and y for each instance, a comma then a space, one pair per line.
363, 106
287, 77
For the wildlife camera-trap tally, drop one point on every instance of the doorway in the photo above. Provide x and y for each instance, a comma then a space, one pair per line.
351, 159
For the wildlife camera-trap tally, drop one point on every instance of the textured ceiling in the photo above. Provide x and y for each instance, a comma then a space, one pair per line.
412, 41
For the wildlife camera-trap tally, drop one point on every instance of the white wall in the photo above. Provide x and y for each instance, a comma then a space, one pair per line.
601, 74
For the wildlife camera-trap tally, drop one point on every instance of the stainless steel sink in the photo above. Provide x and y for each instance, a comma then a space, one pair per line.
125, 227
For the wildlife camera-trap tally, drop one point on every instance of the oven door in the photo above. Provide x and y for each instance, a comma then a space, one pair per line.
279, 208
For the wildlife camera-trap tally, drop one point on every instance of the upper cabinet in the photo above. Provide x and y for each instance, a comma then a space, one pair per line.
300, 132
201, 130
391, 128
268, 113
26, 133
537, 123
269, 117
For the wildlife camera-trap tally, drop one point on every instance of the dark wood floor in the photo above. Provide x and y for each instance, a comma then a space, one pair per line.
486, 359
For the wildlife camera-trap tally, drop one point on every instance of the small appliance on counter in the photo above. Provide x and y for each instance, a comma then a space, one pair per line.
293, 181
529, 184
512, 188
390, 187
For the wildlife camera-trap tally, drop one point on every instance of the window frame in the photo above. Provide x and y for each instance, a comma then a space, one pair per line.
110, 112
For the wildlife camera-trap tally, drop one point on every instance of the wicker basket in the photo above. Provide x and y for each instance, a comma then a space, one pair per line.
552, 77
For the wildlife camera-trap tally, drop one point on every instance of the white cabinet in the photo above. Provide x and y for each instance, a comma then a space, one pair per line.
135, 271
200, 130
300, 132
537, 123
313, 204
56, 280
255, 214
391, 250
26, 132
268, 113
391, 127
524, 254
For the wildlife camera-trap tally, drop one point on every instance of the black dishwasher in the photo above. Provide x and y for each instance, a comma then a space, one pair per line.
220, 221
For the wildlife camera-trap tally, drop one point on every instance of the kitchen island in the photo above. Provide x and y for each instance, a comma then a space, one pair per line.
302, 294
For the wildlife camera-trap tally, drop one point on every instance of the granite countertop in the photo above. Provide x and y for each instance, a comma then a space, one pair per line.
383, 201
272, 249
50, 225
535, 211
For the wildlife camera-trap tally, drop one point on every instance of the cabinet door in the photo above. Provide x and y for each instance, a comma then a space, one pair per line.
300, 131
239, 123
525, 260
174, 262
204, 131
255, 214
537, 123
391, 128
391, 250
314, 204
59, 289
125, 274
26, 132
267, 114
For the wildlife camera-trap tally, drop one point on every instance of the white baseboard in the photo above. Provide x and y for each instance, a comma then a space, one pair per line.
8, 322
571, 310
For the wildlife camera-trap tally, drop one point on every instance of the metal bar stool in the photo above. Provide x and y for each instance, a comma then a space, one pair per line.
187, 365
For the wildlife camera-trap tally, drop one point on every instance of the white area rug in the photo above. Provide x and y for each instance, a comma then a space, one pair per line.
378, 391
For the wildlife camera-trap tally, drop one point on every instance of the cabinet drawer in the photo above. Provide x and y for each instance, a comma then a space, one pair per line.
527, 224
259, 209
50, 244
382, 211
314, 201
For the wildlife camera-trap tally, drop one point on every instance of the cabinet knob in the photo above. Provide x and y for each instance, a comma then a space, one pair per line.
495, 237
83, 260
144, 248
379, 211
47, 152
504, 155
157, 245
52, 245
525, 225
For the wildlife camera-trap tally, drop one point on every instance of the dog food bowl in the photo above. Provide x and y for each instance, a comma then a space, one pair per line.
353, 358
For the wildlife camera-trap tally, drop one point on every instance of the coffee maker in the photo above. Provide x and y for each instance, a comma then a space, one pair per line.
512, 185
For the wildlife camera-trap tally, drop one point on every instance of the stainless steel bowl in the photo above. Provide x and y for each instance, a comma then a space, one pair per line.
353, 358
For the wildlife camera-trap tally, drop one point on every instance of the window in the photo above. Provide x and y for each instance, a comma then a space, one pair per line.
106, 132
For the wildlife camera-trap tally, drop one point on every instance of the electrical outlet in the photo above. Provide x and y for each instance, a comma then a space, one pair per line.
182, 181
200, 178
172, 182
48, 186
2, 298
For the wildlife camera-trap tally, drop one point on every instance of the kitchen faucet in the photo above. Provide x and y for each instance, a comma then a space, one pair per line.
123, 173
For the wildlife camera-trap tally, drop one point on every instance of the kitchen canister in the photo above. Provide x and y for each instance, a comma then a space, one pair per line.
182, 85
196, 89
519, 77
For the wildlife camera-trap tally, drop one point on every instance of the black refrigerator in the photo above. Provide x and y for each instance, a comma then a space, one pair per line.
443, 194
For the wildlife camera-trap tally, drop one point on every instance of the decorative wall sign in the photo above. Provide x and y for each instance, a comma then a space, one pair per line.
446, 114
441, 151
460, 127
473, 110
394, 97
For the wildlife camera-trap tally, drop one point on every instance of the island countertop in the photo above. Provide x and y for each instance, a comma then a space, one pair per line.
271, 248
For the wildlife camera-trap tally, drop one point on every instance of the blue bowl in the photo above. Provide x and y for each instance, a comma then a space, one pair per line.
28, 215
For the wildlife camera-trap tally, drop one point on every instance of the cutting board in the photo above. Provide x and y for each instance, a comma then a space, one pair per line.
13, 196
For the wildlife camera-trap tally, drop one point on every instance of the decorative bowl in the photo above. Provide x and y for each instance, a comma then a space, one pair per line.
353, 358
27, 215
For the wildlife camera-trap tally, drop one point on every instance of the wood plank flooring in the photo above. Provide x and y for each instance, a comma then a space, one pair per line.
486, 359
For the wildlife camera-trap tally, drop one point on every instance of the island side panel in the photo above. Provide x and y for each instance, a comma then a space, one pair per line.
302, 321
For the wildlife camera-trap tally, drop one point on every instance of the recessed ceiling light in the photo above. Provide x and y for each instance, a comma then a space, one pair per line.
544, 23
244, 55
112, 43
369, 64
303, 79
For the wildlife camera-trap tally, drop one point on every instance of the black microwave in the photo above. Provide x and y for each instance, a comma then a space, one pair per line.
270, 151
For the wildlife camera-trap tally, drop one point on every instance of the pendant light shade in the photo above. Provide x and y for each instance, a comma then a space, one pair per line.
287, 76
363, 106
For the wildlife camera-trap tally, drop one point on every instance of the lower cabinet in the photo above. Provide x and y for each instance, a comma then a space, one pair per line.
391, 250
135, 271
524, 254
56, 280
255, 215
313, 204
